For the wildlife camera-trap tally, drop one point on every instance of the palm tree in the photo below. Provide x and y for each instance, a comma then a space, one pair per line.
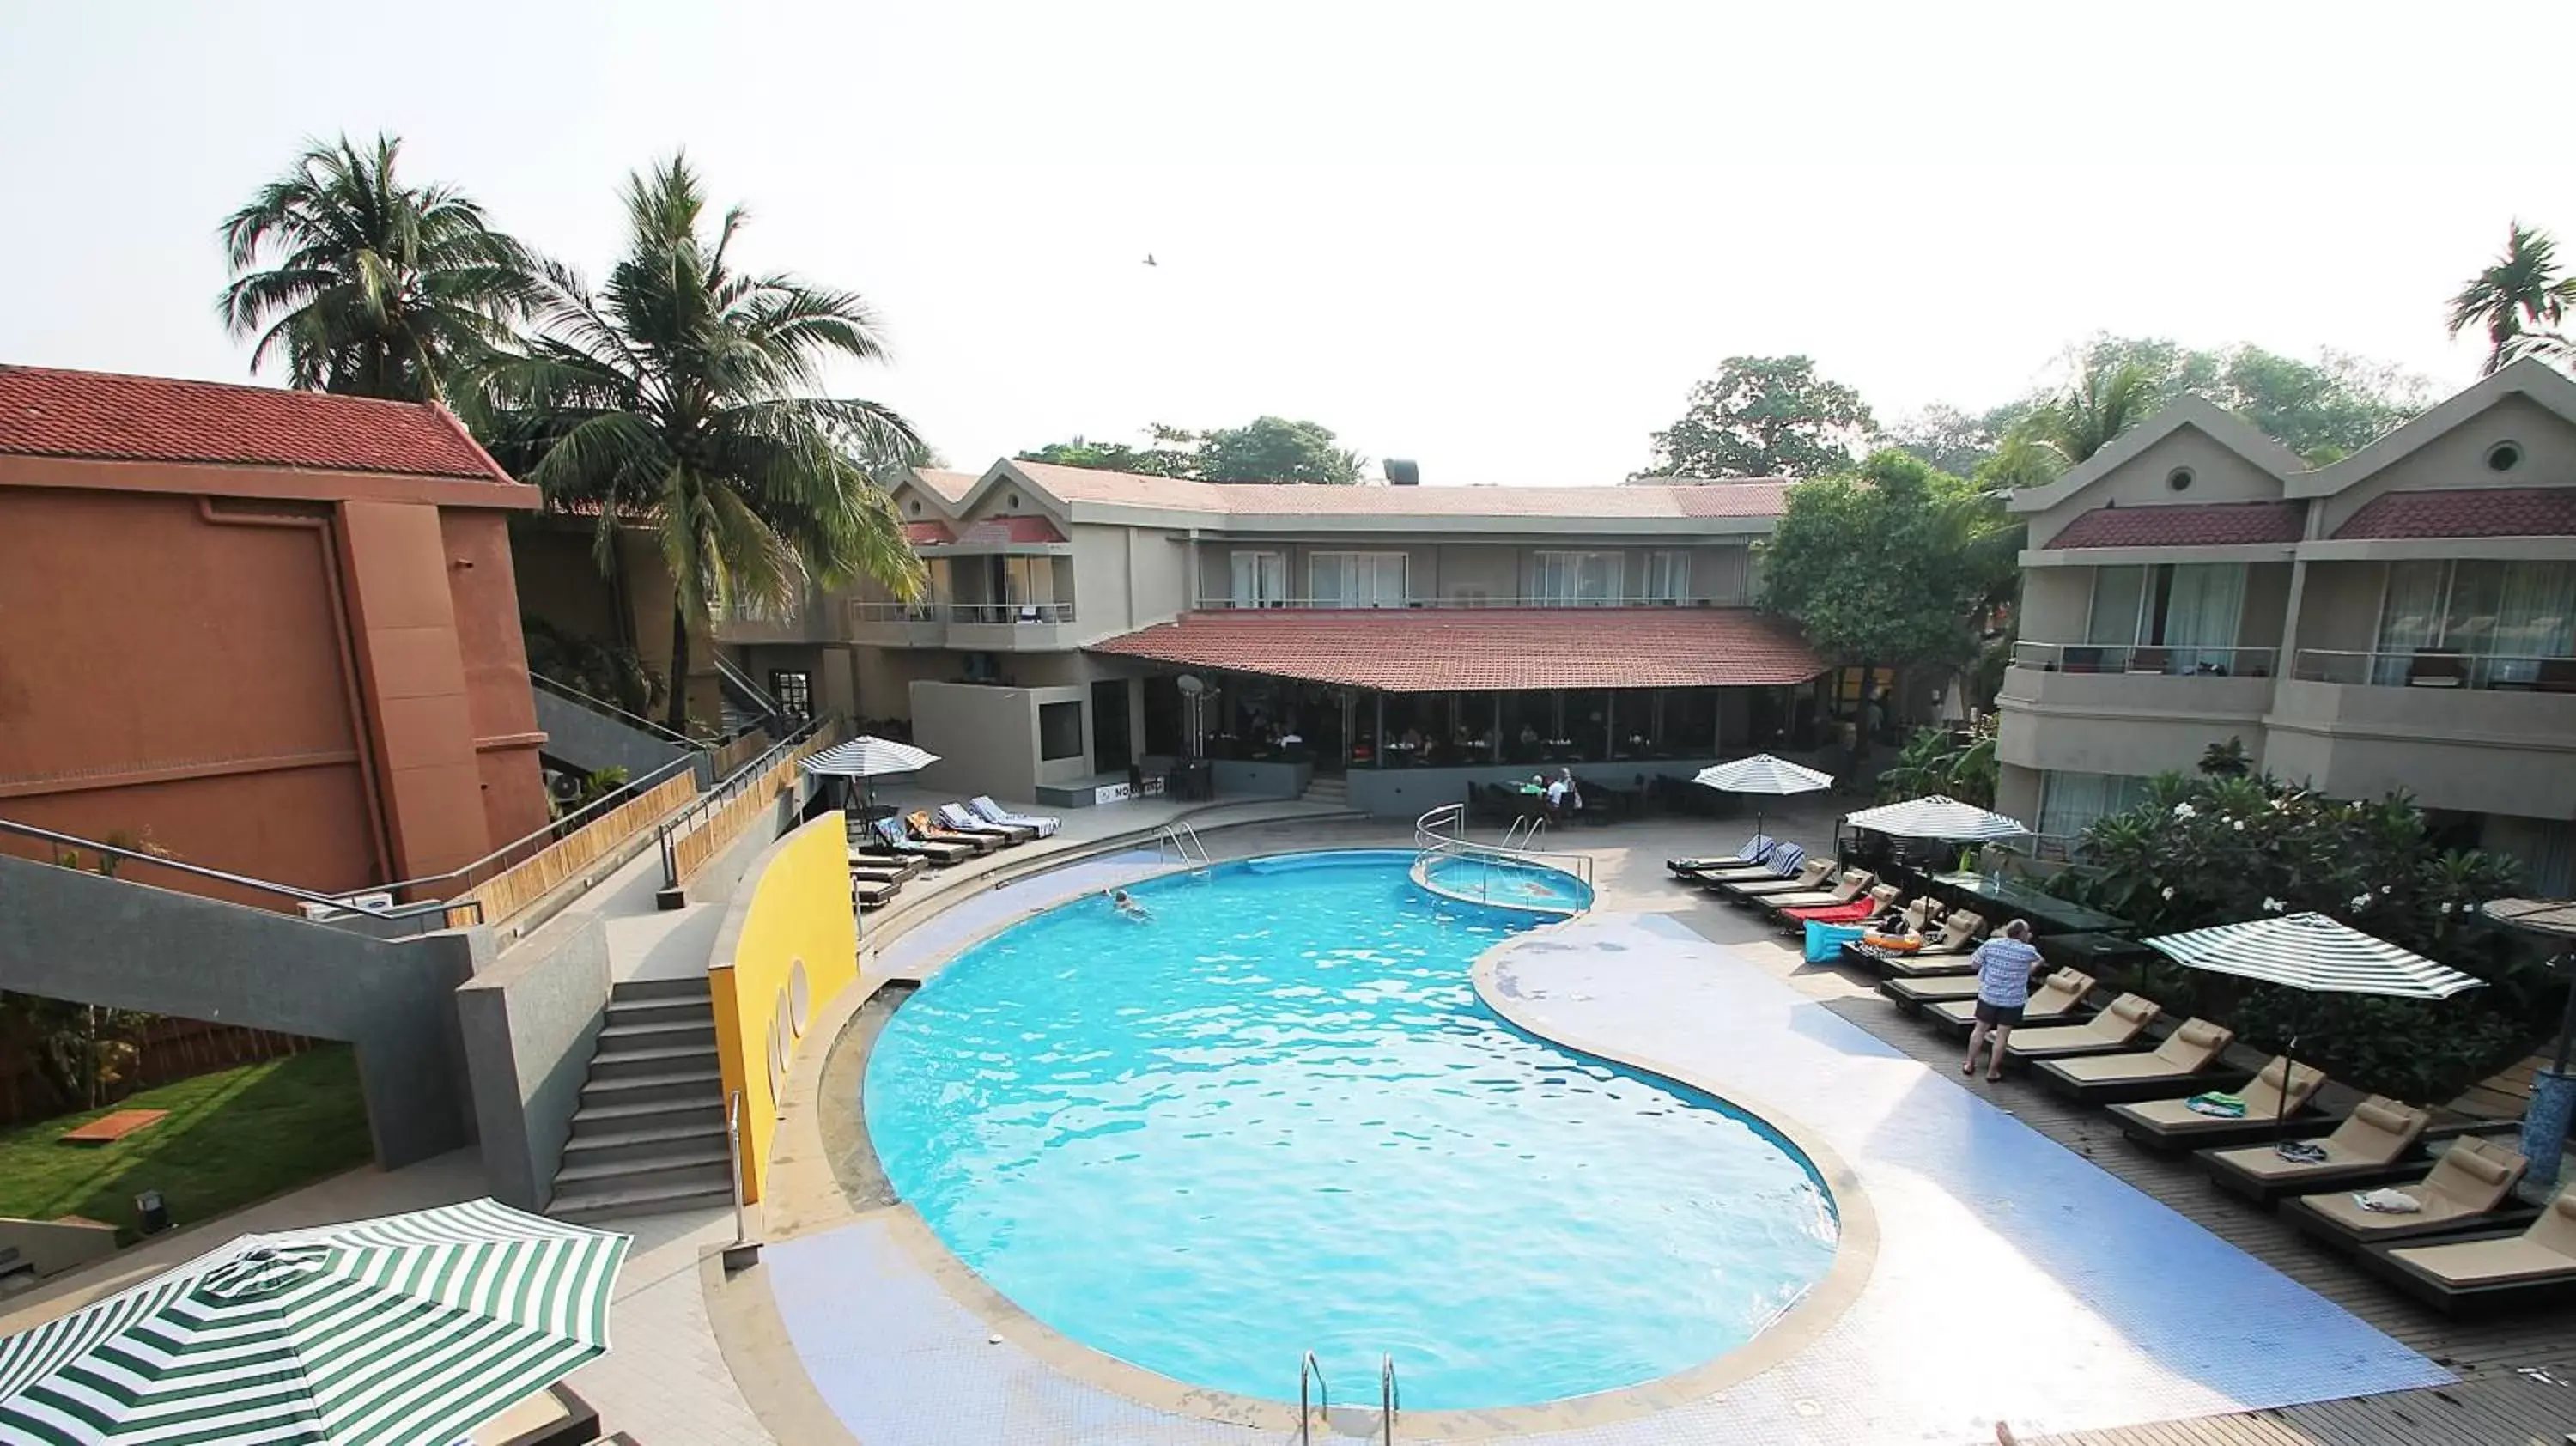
364, 285
2520, 300
2097, 408
677, 397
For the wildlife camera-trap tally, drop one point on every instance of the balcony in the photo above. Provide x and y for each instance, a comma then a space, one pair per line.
744, 623
2090, 708
1227, 603
981, 627
2478, 734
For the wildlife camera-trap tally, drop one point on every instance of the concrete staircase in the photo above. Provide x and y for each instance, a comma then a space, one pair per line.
649, 1135
1331, 792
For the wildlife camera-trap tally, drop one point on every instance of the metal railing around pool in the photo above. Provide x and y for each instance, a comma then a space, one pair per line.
1308, 1368
1442, 834
1178, 840
1387, 1399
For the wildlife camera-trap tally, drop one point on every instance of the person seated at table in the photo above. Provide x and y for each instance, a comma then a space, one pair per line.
1556, 795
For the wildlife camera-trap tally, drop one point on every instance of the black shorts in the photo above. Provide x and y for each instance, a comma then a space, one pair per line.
2006, 1015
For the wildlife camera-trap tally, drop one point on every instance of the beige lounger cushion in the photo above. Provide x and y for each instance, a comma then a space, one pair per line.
1810, 874
2061, 992
2125, 1020
2471, 1178
2548, 1248
2262, 1102
2186, 1052
1841, 893
2377, 1132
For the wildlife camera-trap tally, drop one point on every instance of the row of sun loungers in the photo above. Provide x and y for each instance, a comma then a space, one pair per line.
886, 853
2466, 1244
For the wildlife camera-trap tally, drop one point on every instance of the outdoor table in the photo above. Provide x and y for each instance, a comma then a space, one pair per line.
2095, 953
2000, 901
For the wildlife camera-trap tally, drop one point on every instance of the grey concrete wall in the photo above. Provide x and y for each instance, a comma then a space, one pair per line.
1261, 780
2218, 475
529, 1024
986, 738
1411, 792
592, 741
94, 940
2457, 459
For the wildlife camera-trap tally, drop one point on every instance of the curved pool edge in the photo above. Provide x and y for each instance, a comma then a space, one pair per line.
1854, 1258
1421, 873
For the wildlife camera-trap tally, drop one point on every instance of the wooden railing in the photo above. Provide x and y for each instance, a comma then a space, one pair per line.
506, 893
689, 843
730, 756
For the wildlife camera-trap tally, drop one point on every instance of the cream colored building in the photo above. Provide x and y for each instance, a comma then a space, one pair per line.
2399, 620
1333, 629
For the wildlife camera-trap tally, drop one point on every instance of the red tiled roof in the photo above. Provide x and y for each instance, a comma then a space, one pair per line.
1765, 497
50, 413
928, 534
2479, 512
998, 530
2191, 524
1429, 650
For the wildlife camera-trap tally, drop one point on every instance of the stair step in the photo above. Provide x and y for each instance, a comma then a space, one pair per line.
662, 1011
692, 986
652, 1060
637, 1144
675, 1165
609, 1202
676, 1086
622, 1039
706, 1113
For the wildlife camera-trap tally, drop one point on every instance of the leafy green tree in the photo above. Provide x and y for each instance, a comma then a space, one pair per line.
2519, 301
678, 398
362, 284
1946, 438
1897, 565
1764, 417
1954, 764
1266, 449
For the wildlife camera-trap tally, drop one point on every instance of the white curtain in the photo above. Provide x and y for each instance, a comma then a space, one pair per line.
2202, 609
2114, 621
1572, 578
2535, 617
1356, 579
2409, 618
1260, 579
2070, 802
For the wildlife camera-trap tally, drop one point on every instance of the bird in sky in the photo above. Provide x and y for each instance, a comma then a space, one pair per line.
1150, 261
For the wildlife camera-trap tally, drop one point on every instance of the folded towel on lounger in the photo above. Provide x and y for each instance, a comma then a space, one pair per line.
2215, 1102
2389, 1202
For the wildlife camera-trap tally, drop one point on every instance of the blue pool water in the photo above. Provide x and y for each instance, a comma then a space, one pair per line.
1276, 1118
1508, 884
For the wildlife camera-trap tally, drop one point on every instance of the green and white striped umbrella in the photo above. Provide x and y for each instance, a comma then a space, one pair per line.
405, 1331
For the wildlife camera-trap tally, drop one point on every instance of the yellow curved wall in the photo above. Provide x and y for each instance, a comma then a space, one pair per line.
794, 905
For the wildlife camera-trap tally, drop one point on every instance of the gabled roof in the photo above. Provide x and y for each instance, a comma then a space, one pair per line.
2525, 378
950, 487
1760, 498
2199, 413
1430, 650
2192, 524
108, 416
2466, 512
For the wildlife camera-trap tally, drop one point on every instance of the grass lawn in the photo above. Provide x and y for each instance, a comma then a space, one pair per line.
232, 1137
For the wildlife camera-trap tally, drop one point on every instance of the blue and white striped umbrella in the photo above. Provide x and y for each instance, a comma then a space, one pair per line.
1937, 817
2313, 953
866, 757
410, 1330
1763, 773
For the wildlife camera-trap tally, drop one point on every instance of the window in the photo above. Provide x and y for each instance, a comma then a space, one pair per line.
1576, 579
2511, 614
2180, 617
1059, 730
794, 692
1027, 579
1355, 579
2069, 803
1668, 577
1260, 579
2504, 456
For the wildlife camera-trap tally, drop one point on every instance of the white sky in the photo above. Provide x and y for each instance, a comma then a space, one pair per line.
1503, 239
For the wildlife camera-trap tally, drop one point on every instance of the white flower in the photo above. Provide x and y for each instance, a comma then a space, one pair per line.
2272, 905
2387, 888
2238, 825
2168, 892
2184, 810
2446, 906
2361, 901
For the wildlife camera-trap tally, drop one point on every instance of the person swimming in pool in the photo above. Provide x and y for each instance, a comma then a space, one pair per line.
1127, 906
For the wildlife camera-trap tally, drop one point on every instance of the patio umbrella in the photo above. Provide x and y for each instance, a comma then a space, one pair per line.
409, 1330
1937, 817
864, 757
1764, 775
2314, 955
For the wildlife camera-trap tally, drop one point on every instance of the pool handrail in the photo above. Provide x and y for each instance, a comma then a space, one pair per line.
1308, 1366
1387, 1398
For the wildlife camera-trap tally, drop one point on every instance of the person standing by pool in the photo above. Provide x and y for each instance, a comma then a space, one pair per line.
2004, 965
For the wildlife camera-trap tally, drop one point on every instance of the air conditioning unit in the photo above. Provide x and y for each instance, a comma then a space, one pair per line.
376, 902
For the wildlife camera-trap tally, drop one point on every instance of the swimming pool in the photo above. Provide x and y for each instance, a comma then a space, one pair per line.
1507, 883
1276, 1118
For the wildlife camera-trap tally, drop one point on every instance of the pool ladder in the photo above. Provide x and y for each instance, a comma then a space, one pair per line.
1527, 840
1179, 840
1310, 1372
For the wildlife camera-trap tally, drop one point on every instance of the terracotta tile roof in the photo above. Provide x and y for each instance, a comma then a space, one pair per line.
950, 486
1428, 650
49, 413
2478, 512
998, 530
1759, 498
2190, 524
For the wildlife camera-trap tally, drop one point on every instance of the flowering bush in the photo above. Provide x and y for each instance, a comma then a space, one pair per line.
2224, 848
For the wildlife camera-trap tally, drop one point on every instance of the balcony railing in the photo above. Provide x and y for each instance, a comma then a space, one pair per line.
995, 614
2437, 668
2165, 661
1232, 604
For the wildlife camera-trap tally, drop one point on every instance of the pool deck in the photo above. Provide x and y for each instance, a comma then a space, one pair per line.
2110, 1296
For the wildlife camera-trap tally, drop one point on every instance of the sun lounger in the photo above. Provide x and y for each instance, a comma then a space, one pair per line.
2109, 1032
1844, 890
991, 812
1878, 901
2190, 1057
2470, 1188
890, 833
953, 818
917, 823
1749, 853
2374, 1145
883, 862
1780, 864
872, 893
1947, 952
1808, 875
2059, 999
2172, 1124
2482, 1273
877, 875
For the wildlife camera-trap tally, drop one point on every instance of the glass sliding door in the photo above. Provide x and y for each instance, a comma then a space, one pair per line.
1260, 580
2203, 602
1356, 579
